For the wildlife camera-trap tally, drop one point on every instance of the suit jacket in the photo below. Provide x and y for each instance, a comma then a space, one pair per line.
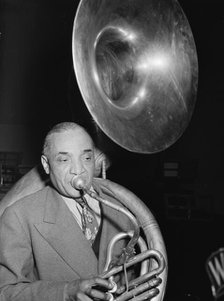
42, 247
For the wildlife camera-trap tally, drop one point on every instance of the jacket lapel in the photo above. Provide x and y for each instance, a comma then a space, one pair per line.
64, 235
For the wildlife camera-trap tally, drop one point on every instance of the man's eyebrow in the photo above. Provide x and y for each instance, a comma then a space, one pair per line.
62, 153
89, 150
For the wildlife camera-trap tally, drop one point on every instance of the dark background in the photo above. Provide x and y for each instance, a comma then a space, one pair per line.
38, 89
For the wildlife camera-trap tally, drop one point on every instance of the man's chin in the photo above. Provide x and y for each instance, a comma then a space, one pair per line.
77, 194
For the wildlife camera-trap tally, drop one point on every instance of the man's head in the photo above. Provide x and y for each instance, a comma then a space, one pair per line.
68, 153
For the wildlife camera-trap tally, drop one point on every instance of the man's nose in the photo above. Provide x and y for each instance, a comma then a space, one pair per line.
76, 168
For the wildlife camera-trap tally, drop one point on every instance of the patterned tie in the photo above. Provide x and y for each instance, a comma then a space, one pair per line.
89, 222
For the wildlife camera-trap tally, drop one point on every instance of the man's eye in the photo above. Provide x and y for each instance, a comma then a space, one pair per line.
62, 159
88, 158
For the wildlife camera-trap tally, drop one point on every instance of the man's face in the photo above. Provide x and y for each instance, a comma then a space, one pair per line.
71, 155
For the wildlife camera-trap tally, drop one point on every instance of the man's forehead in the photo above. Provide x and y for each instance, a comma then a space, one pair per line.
77, 137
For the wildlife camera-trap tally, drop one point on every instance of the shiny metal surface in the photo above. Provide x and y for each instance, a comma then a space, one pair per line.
137, 69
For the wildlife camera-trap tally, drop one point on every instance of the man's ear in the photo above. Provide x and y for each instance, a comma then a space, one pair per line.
45, 164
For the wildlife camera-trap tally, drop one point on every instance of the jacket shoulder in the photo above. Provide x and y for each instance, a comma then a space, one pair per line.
31, 205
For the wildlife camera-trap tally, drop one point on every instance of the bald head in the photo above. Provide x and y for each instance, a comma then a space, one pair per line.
59, 128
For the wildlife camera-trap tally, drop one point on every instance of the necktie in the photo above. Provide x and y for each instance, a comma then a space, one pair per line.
89, 222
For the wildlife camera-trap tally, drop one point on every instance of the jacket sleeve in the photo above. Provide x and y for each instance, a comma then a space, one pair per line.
18, 279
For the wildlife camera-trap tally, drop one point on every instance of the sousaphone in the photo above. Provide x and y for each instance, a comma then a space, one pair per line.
137, 70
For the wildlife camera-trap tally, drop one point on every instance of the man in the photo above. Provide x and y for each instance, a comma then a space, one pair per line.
44, 254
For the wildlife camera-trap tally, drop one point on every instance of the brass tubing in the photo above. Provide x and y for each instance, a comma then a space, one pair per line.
150, 227
136, 231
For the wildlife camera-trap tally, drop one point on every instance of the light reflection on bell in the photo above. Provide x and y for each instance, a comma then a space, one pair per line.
137, 69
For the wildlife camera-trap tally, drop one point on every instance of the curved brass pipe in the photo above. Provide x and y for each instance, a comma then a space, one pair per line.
155, 244
141, 243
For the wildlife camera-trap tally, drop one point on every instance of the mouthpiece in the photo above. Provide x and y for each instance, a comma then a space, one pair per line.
78, 183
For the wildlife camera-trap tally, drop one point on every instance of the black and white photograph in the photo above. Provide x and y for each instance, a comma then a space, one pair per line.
111, 150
